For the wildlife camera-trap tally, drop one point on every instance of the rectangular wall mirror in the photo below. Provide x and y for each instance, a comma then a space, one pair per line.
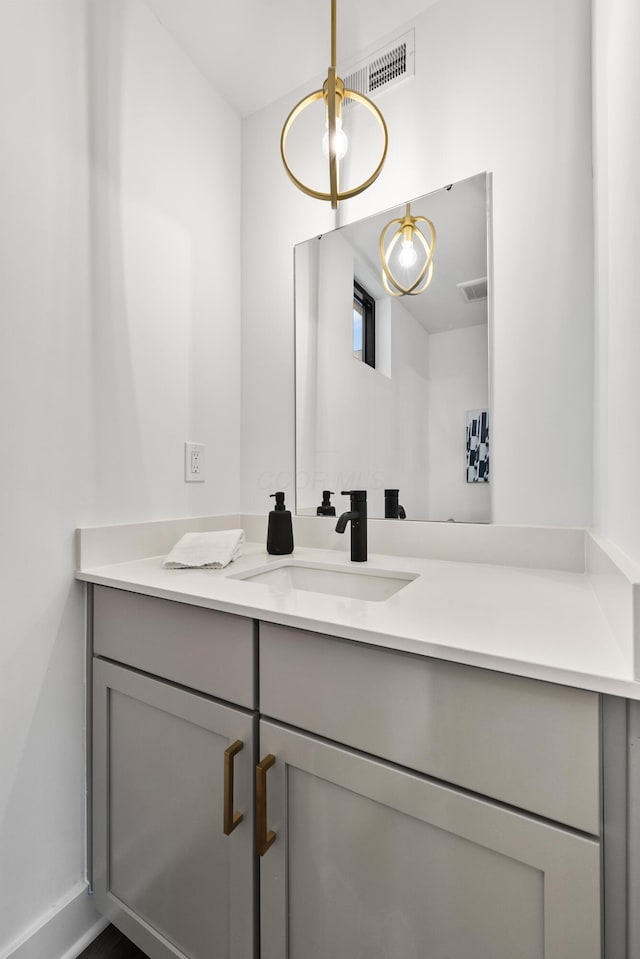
392, 391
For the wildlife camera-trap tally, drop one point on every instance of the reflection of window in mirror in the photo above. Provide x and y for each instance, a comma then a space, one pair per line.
364, 325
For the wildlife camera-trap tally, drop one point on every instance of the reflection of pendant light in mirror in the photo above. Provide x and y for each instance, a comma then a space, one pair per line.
412, 243
335, 143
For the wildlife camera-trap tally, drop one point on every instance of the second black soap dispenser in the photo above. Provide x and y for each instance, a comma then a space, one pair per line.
280, 529
326, 509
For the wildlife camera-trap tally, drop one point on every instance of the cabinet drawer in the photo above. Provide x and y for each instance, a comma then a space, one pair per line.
530, 744
200, 648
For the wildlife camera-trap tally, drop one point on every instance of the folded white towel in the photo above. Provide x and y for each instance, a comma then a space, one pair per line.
206, 550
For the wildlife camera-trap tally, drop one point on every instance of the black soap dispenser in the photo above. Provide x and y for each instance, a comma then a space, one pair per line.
326, 509
280, 530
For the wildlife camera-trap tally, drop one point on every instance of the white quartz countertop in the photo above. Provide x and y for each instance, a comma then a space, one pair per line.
545, 624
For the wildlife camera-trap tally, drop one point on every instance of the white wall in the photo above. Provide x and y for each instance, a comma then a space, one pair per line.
166, 260
119, 339
45, 483
617, 194
406, 446
504, 86
306, 345
458, 382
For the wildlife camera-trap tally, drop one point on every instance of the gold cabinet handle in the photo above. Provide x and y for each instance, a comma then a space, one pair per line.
231, 818
264, 837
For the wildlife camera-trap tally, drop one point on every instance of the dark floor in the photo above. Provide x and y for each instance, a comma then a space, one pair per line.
111, 944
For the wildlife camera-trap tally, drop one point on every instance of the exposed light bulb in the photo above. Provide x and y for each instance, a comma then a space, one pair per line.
341, 141
408, 255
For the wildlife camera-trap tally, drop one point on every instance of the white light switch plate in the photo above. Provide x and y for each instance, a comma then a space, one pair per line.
194, 463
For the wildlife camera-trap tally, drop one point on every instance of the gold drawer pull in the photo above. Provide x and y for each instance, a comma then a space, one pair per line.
264, 837
231, 818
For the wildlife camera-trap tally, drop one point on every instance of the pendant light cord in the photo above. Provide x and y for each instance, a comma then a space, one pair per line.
333, 34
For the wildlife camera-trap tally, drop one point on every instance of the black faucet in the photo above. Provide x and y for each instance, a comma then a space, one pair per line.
357, 515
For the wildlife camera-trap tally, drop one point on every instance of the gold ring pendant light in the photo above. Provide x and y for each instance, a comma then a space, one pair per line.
333, 93
408, 232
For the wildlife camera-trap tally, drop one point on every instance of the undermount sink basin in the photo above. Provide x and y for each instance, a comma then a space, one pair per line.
372, 585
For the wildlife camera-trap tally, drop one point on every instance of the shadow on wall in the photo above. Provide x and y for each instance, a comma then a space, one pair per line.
117, 435
165, 277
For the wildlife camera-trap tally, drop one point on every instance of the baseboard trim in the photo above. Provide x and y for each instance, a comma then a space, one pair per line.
62, 932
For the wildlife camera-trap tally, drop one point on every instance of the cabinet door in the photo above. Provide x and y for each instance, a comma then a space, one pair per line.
370, 861
165, 872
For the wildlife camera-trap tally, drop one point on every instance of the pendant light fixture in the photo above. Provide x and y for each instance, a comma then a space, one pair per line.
407, 258
335, 143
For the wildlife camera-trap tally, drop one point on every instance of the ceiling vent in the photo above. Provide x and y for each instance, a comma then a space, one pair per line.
384, 68
474, 290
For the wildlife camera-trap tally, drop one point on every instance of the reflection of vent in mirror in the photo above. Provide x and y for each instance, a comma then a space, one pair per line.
386, 67
473, 290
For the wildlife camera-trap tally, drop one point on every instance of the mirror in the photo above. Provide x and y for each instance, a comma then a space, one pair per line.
392, 391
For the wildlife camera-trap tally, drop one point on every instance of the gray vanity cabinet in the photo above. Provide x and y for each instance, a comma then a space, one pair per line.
402, 807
